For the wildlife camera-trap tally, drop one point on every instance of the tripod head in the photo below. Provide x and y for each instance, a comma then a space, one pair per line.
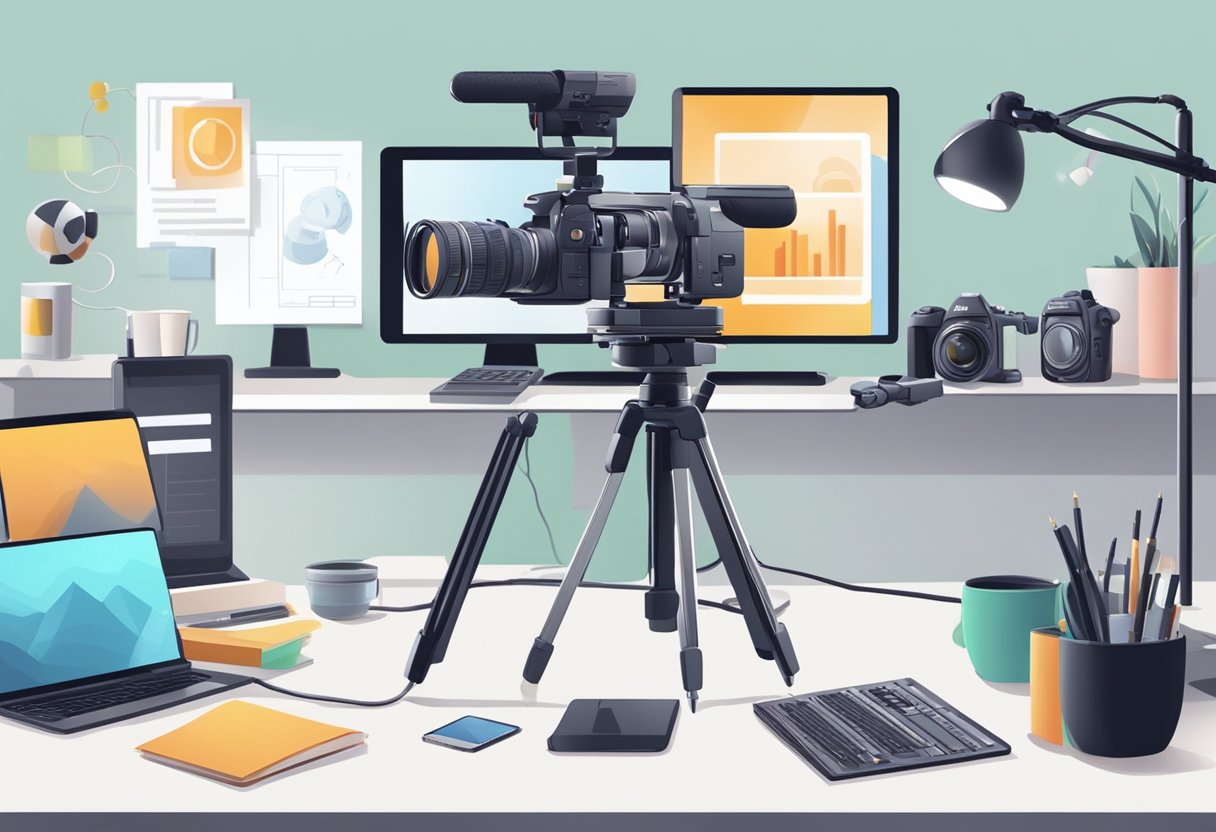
656, 336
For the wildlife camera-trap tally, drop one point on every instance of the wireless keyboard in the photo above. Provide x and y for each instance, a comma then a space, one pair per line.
877, 728
486, 385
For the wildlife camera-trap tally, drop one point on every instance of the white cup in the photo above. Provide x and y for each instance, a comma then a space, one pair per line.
163, 332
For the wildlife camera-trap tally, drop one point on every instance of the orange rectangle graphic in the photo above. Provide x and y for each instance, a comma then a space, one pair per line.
832, 242
795, 263
840, 266
804, 263
779, 261
37, 316
817, 268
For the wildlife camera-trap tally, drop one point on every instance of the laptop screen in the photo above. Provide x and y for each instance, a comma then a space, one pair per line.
80, 607
75, 477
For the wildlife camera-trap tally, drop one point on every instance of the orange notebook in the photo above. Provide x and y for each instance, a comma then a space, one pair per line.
241, 743
250, 648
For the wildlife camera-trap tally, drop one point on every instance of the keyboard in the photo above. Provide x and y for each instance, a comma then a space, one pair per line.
876, 728
486, 385
55, 708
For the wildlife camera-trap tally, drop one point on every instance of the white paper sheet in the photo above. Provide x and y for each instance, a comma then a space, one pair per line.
165, 211
315, 275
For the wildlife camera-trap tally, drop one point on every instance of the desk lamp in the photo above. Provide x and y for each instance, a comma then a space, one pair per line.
983, 166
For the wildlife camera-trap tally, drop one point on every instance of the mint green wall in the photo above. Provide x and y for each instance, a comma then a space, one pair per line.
379, 71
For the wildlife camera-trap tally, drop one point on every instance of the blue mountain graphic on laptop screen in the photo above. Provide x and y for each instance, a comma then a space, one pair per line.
71, 609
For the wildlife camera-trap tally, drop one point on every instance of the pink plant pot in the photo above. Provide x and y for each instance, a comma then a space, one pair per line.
1158, 324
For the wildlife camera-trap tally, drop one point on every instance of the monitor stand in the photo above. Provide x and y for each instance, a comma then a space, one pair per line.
289, 357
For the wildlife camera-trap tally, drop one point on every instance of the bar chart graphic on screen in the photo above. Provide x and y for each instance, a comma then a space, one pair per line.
824, 256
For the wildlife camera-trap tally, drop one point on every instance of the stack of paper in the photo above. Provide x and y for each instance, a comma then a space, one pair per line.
276, 646
240, 743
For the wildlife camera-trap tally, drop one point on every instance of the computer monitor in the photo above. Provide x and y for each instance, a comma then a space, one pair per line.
479, 183
832, 275
74, 474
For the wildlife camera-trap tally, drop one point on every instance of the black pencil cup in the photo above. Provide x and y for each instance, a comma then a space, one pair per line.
1122, 700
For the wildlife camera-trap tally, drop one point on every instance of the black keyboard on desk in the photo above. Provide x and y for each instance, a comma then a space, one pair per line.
486, 385
876, 728
53, 709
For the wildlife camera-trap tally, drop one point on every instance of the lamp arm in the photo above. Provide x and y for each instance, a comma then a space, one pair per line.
1189, 166
1076, 112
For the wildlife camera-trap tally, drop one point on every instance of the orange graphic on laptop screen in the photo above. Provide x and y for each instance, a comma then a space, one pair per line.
75, 478
207, 147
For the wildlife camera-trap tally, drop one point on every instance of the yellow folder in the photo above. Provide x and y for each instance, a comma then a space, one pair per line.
241, 743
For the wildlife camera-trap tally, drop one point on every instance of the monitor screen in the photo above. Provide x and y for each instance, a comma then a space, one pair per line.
86, 474
81, 607
479, 184
831, 275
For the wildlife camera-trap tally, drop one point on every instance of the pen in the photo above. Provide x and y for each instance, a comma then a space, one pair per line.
1156, 518
1133, 588
1079, 622
1076, 521
1110, 564
1127, 583
1142, 601
1168, 610
1089, 591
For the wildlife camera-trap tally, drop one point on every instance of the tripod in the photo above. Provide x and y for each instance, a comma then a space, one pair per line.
678, 451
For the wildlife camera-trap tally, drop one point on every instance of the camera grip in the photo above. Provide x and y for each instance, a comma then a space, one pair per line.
1025, 324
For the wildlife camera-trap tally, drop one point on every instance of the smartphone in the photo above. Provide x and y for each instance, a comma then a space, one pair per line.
471, 733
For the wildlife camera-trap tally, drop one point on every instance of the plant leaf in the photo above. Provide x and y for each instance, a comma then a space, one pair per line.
1120, 263
1199, 199
1203, 242
1145, 241
1169, 238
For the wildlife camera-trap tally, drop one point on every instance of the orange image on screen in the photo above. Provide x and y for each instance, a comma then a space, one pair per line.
817, 276
75, 478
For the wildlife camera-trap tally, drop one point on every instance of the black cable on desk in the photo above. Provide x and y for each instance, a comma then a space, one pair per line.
876, 590
317, 697
550, 582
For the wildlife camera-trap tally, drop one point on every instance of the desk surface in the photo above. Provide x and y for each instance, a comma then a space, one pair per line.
721, 758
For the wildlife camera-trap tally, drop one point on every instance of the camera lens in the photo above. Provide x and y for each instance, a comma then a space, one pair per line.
649, 244
961, 354
1062, 346
478, 259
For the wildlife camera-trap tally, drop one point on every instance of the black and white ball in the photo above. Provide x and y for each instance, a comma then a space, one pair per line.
61, 230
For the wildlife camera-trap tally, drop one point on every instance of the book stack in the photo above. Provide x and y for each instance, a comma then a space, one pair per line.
272, 647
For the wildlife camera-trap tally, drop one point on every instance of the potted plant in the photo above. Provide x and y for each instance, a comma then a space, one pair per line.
1118, 287
1157, 297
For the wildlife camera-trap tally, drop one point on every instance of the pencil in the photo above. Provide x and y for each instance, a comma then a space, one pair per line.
1133, 590
1110, 564
1156, 518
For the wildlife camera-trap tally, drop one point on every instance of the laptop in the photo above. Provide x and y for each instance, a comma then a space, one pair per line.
87, 635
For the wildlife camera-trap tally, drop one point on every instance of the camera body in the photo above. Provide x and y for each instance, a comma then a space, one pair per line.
1077, 336
586, 243
964, 342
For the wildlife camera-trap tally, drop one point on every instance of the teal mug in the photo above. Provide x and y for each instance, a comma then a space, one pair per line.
999, 611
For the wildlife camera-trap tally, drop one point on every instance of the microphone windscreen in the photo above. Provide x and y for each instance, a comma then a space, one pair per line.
540, 88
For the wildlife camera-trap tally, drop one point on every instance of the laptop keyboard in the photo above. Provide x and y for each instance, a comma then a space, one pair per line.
55, 708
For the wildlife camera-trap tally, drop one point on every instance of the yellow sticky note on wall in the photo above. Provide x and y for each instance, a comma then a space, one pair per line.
207, 146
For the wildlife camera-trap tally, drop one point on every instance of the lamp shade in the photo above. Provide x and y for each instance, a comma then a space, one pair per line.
983, 165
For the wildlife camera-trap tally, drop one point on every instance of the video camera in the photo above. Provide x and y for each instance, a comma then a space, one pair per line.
584, 243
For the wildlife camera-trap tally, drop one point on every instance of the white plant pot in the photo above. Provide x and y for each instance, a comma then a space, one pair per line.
1203, 333
1119, 289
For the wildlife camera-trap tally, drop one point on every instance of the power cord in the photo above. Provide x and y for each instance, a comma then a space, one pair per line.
527, 469
875, 590
362, 703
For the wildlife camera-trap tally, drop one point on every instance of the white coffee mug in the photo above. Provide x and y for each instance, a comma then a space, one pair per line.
163, 332
46, 320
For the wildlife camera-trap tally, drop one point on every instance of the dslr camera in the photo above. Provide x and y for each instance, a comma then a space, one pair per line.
964, 343
584, 243
1076, 338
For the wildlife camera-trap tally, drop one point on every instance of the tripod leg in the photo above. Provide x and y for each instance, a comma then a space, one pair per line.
690, 650
769, 636
542, 647
662, 601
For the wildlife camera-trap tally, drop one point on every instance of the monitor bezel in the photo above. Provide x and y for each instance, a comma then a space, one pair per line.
392, 238
892, 96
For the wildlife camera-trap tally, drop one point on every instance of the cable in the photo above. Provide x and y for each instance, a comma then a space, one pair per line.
339, 700
900, 593
527, 469
1134, 127
102, 288
551, 582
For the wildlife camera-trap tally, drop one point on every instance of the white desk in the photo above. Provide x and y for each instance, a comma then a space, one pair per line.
721, 759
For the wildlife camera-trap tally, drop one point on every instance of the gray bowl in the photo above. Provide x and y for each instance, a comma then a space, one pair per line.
341, 590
